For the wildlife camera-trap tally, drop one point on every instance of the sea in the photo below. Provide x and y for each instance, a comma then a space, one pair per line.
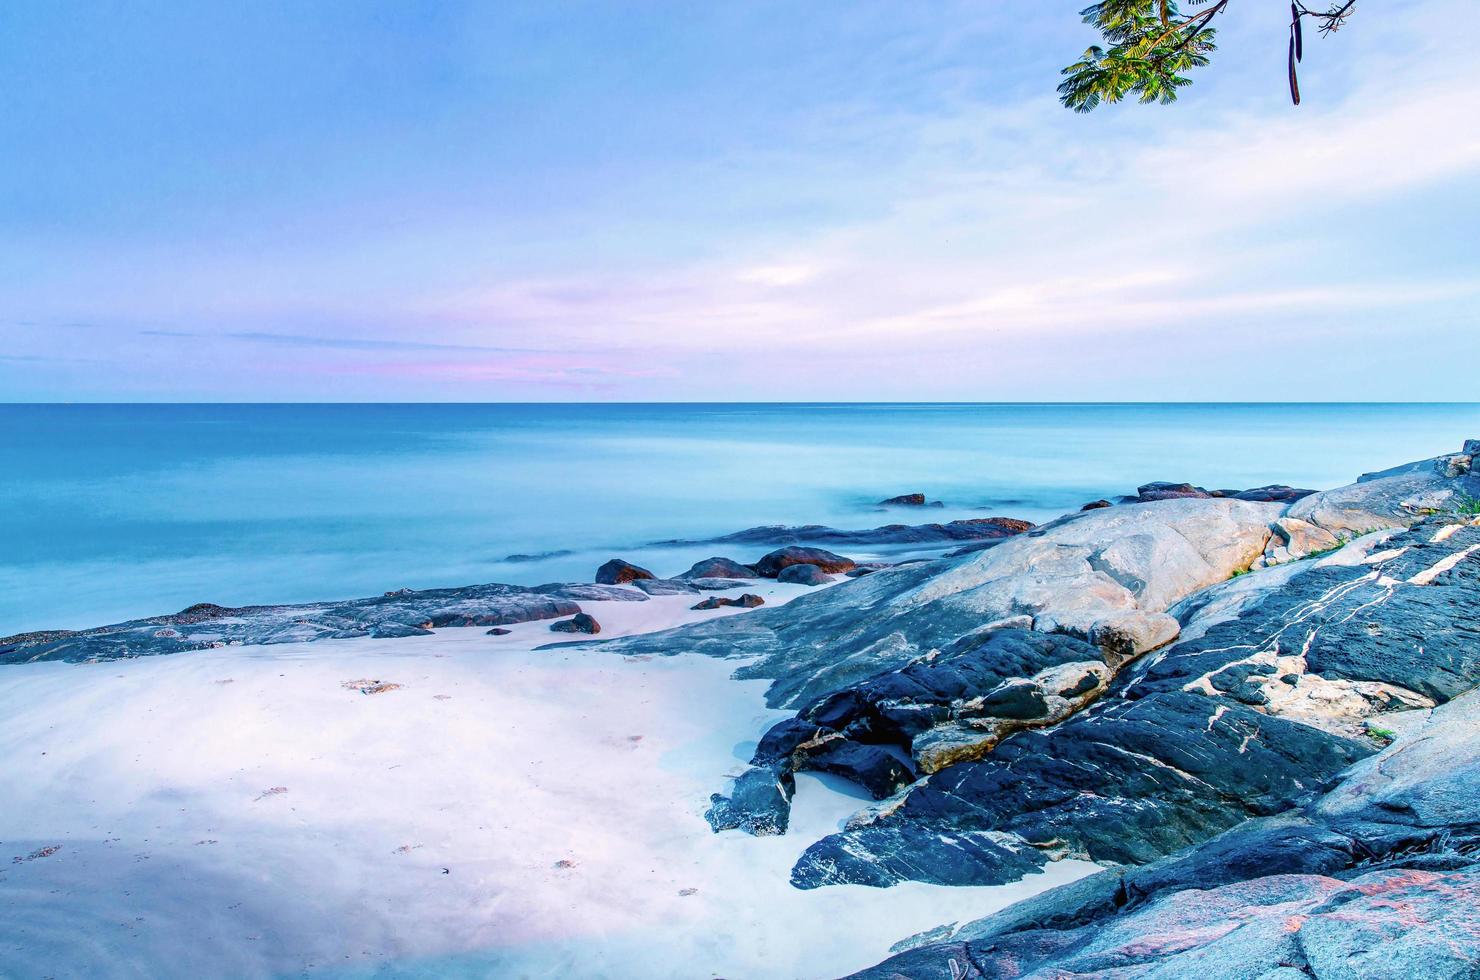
109, 512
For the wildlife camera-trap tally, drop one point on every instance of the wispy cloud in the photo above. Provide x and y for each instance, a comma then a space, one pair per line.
338, 343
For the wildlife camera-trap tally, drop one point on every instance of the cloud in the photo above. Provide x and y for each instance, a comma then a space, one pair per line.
339, 343
777, 275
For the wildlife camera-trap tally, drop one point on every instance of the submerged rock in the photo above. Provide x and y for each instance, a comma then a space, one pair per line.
909, 500
619, 572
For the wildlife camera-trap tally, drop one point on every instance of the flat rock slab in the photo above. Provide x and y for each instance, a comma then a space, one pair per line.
402, 613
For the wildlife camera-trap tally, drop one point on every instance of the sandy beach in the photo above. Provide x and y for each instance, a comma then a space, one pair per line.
249, 811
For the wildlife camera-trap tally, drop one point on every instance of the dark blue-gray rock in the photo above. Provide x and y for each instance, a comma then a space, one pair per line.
1161, 490
863, 568
719, 568
1243, 719
1386, 924
972, 529
204, 626
580, 623
1378, 877
772, 564
803, 574
1275, 492
904, 500
619, 572
665, 586
499, 631
747, 601
759, 803
587, 592
718, 584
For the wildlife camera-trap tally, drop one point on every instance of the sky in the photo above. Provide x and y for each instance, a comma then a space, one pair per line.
820, 201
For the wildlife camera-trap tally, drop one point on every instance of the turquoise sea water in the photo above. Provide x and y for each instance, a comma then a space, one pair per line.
108, 512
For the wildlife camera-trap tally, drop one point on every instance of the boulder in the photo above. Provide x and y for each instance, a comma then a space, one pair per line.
1169, 491
1096, 504
619, 572
803, 575
718, 568
904, 500
580, 623
771, 565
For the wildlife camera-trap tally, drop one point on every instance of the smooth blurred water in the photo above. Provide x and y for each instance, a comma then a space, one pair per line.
110, 511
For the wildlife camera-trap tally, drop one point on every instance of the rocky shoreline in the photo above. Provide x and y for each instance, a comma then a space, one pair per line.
1256, 708
1129, 683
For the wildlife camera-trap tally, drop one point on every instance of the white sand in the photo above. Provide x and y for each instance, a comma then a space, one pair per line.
504, 812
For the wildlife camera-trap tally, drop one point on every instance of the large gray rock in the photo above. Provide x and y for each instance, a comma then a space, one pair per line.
1391, 498
403, 613
1380, 877
970, 529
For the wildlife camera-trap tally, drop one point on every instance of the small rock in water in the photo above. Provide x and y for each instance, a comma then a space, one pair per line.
803, 575
1097, 504
499, 631
580, 623
619, 572
904, 500
35, 855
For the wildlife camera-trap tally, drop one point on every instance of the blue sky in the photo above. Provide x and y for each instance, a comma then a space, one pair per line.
777, 201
